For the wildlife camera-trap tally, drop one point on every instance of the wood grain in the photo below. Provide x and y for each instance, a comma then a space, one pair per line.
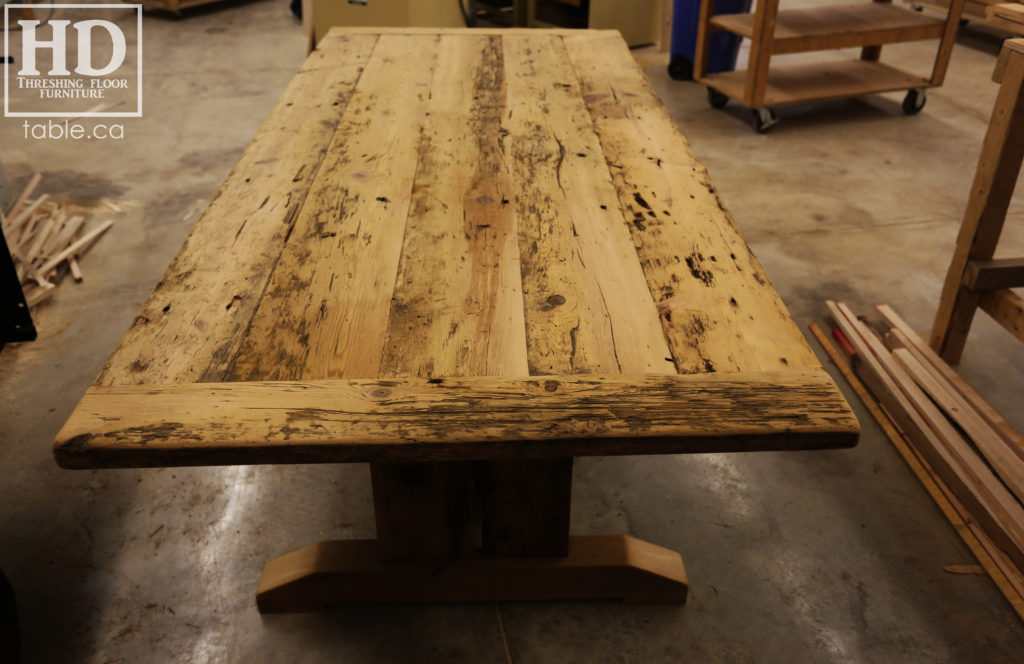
326, 310
194, 322
459, 418
457, 306
708, 286
588, 307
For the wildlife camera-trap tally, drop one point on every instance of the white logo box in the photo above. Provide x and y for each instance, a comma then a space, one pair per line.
71, 114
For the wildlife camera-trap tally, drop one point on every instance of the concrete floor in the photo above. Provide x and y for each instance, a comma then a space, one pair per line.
793, 557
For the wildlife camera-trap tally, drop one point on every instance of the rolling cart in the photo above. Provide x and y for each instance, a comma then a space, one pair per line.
867, 25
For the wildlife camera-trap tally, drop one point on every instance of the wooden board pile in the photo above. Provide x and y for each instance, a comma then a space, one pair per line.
45, 240
969, 458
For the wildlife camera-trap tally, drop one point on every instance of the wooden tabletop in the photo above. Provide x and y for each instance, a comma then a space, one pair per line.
460, 244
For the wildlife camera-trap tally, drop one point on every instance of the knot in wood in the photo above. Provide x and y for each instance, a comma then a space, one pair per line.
551, 385
380, 392
556, 300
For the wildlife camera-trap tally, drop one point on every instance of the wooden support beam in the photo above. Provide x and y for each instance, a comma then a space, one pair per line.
350, 572
995, 274
991, 191
760, 53
1006, 308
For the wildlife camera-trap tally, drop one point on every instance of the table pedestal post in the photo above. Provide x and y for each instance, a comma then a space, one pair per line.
471, 531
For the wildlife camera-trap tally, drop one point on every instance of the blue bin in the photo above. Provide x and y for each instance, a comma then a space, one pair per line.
724, 45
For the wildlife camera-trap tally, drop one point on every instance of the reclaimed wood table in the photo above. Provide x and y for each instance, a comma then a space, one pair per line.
465, 257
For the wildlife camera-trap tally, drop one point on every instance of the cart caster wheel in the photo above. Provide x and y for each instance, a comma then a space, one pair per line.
914, 102
717, 99
764, 120
680, 68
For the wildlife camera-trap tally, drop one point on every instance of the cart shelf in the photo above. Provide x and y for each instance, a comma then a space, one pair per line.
840, 26
820, 80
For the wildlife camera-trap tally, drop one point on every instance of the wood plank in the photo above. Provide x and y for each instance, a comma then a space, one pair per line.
457, 418
759, 61
1006, 464
1006, 308
232, 250
588, 305
946, 44
994, 182
1006, 577
704, 32
820, 80
911, 340
325, 311
839, 26
988, 501
708, 285
1001, 23
457, 306
994, 274
349, 572
1009, 10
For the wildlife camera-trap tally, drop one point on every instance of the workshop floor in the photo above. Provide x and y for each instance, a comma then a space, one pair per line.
793, 557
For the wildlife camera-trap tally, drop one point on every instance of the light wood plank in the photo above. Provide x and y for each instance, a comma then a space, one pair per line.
708, 286
457, 307
229, 255
326, 308
910, 339
457, 418
1006, 464
588, 306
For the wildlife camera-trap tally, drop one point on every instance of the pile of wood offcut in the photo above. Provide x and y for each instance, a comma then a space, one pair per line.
46, 238
969, 458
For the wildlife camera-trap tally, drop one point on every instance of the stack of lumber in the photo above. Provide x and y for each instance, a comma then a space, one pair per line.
969, 458
1007, 16
45, 240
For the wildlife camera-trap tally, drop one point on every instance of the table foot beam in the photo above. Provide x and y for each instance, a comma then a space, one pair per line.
350, 572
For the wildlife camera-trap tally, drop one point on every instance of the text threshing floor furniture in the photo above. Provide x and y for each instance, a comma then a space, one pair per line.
465, 257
